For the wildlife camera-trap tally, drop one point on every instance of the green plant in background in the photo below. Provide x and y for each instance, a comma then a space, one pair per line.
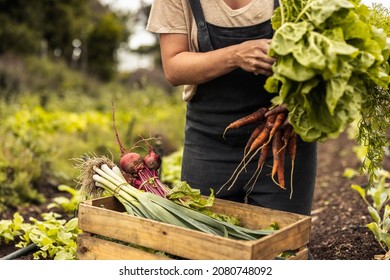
20, 168
54, 238
11, 229
376, 196
40, 142
171, 167
377, 199
69, 205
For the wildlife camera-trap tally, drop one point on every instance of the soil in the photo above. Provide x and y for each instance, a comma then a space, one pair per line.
339, 215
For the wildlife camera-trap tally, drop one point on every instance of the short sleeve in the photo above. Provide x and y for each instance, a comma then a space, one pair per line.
167, 16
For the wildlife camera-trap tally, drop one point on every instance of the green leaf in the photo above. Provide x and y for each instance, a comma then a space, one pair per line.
72, 225
335, 89
373, 227
285, 38
183, 194
321, 10
374, 214
386, 224
350, 173
292, 69
360, 190
308, 52
64, 237
272, 85
386, 213
386, 240
190, 197
63, 255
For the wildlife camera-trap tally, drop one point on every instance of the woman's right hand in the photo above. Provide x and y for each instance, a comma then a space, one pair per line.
252, 56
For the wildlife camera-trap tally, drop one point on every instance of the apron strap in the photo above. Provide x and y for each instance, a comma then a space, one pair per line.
204, 40
203, 32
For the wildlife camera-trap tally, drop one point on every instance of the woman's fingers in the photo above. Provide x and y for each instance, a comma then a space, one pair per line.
254, 57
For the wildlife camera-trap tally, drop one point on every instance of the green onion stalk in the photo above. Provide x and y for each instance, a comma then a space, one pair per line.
108, 177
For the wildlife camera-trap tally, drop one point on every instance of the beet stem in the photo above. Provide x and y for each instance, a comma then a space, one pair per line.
123, 151
152, 182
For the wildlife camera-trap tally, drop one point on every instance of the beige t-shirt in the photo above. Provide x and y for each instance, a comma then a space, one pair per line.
175, 16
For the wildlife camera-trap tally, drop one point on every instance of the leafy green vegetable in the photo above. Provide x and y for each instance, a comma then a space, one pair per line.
69, 205
332, 68
9, 229
183, 194
55, 238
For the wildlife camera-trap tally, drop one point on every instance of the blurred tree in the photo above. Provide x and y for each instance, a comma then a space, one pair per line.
19, 26
106, 36
73, 30
153, 50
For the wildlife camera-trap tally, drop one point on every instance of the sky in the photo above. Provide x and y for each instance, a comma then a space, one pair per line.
143, 37
126, 4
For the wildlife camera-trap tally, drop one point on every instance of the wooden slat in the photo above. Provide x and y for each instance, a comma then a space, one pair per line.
254, 216
302, 254
290, 238
94, 248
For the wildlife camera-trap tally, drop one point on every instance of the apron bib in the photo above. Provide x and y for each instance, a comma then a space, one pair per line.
209, 159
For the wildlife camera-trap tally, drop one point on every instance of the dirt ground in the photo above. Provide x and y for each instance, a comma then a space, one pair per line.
339, 214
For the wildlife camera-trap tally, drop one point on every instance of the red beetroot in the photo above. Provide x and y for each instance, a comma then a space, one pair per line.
152, 159
139, 174
131, 163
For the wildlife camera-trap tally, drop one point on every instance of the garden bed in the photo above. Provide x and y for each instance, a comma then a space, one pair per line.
339, 215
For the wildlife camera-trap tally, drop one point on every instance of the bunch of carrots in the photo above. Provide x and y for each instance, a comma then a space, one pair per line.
273, 133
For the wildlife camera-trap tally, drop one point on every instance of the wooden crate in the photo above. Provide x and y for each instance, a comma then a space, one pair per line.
108, 229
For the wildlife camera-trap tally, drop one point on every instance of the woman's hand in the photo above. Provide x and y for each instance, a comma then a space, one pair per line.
252, 56
184, 67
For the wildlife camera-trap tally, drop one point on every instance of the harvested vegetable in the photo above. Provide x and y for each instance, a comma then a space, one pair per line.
98, 174
140, 172
271, 133
137, 186
332, 68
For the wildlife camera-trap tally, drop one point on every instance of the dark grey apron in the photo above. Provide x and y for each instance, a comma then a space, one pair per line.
208, 159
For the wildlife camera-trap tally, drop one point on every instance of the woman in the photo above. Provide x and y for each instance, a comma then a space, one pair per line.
218, 51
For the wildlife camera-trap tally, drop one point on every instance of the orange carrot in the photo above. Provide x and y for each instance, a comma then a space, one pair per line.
292, 150
260, 163
288, 130
260, 140
256, 132
270, 122
279, 120
263, 155
249, 119
276, 110
280, 171
277, 144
